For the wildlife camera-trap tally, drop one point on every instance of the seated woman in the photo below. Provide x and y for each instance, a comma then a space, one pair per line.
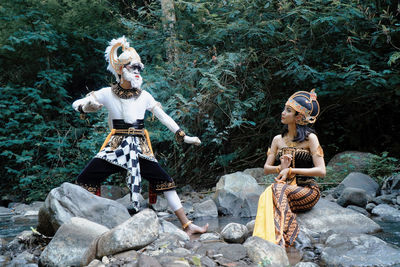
296, 157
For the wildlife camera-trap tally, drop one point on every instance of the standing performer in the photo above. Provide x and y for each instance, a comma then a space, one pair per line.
127, 147
296, 156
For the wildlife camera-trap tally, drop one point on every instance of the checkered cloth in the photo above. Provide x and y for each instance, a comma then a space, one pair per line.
126, 156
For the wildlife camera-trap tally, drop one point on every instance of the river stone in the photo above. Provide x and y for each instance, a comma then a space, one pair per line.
306, 264
387, 213
250, 226
326, 215
69, 200
70, 242
234, 233
357, 180
135, 233
210, 236
260, 250
234, 252
237, 194
353, 196
168, 227
359, 209
358, 250
205, 209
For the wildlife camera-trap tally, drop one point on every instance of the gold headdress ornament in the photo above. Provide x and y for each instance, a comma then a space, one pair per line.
128, 56
306, 104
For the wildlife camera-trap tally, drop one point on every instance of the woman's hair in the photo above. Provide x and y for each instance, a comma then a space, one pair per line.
303, 131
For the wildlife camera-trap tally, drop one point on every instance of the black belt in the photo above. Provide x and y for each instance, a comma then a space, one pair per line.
121, 124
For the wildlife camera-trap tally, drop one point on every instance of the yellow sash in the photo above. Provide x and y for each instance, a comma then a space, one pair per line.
146, 133
264, 226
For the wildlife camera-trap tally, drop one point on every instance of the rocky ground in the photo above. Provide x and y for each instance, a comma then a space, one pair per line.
76, 228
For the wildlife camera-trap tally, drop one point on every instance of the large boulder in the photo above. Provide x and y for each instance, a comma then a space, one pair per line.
346, 162
353, 196
265, 253
358, 250
326, 215
237, 194
205, 209
69, 200
70, 242
357, 180
135, 233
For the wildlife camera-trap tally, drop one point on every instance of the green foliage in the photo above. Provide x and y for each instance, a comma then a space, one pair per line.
235, 64
380, 167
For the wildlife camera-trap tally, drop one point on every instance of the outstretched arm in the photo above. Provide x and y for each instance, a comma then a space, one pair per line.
172, 126
87, 104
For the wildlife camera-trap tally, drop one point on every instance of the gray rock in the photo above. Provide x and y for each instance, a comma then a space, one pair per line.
168, 227
161, 204
135, 233
357, 180
96, 263
172, 261
384, 199
352, 196
250, 226
130, 255
69, 200
205, 209
5, 211
358, 209
326, 215
306, 264
23, 259
358, 250
234, 252
126, 201
387, 213
262, 251
258, 174
113, 192
237, 194
31, 209
147, 261
234, 233
70, 242
210, 236
370, 207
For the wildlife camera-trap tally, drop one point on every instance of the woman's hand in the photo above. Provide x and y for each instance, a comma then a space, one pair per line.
286, 161
283, 175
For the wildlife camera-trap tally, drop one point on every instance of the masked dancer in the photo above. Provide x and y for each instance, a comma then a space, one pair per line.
127, 147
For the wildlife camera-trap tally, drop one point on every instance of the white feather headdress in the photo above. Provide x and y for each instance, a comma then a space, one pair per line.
128, 56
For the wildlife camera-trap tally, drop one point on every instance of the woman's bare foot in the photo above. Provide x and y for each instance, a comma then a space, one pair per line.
194, 229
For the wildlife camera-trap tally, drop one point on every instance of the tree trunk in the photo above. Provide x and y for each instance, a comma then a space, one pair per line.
169, 19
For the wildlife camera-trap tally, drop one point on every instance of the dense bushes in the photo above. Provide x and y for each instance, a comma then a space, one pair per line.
236, 63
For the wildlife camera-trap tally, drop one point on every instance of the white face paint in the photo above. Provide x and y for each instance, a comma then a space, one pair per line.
132, 76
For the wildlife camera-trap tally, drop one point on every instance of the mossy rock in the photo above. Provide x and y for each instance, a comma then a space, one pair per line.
346, 162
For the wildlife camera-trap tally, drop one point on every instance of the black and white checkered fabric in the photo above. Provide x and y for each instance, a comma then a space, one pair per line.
126, 155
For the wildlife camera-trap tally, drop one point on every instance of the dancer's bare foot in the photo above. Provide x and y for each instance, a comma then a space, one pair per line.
195, 229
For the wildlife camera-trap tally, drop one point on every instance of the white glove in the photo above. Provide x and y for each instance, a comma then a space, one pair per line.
88, 104
192, 140
91, 106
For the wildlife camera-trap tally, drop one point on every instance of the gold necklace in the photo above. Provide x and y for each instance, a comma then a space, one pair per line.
289, 142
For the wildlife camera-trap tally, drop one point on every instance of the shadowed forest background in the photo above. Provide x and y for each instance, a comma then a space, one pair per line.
222, 70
